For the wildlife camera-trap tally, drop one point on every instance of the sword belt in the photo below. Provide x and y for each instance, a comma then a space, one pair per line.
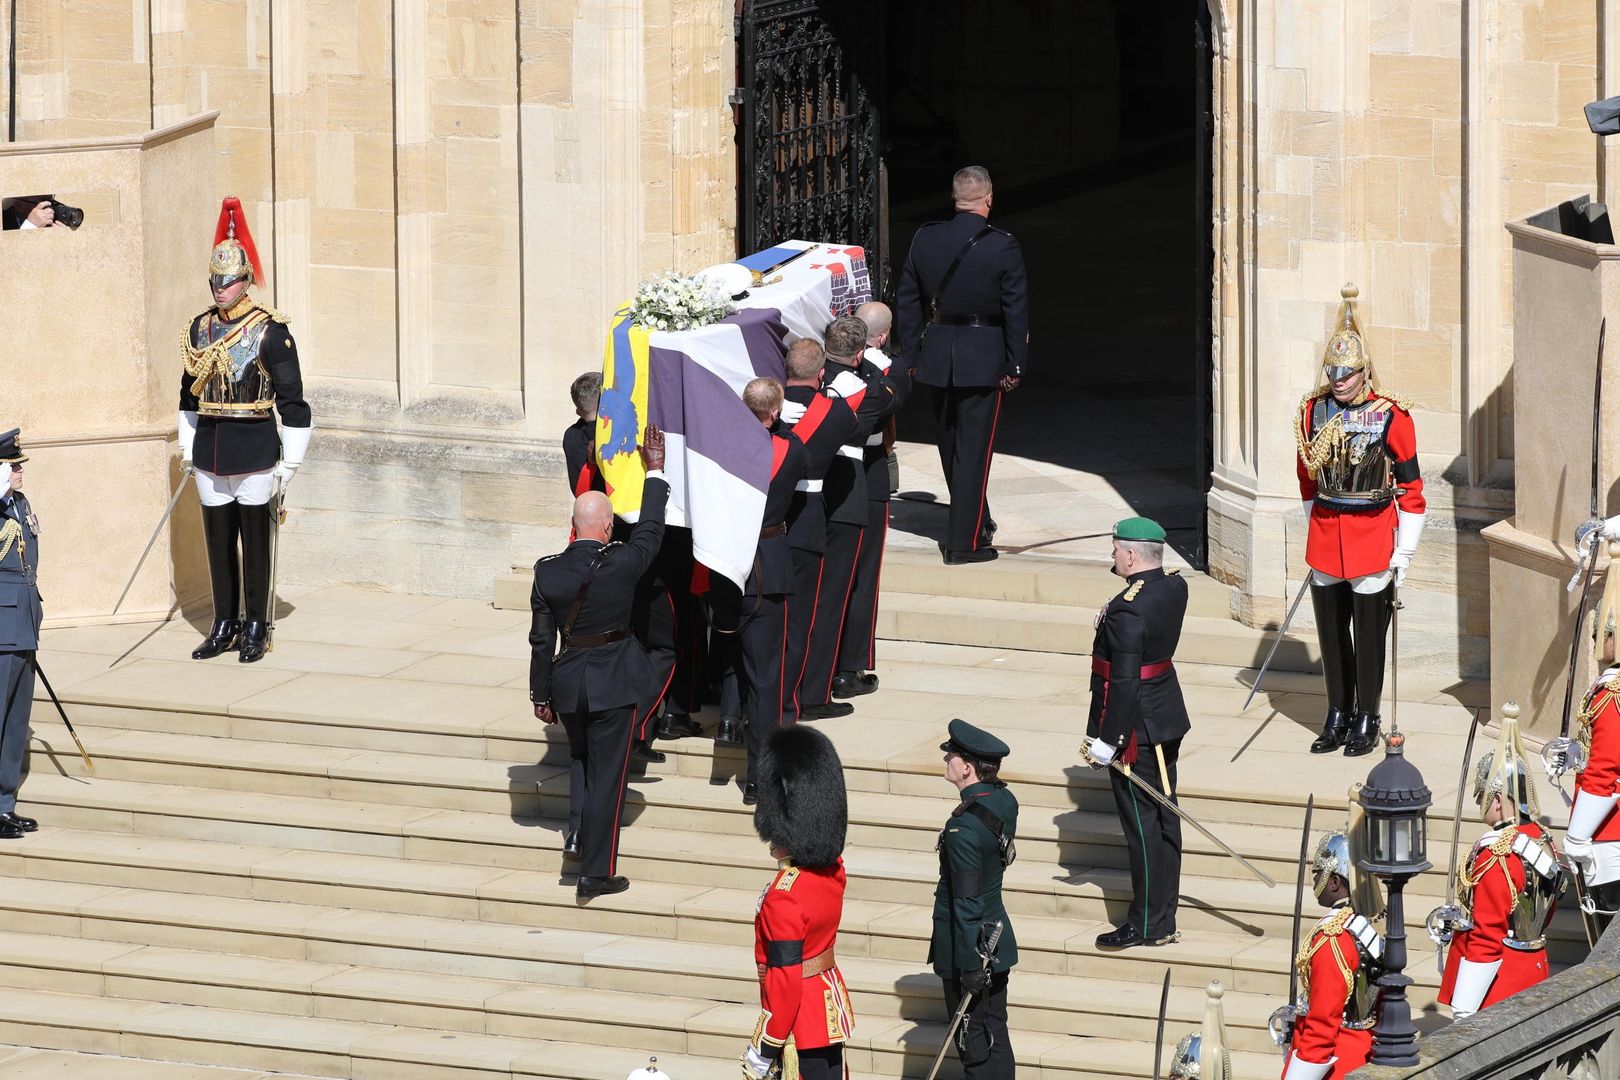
591, 641
1102, 667
779, 529
819, 964
967, 320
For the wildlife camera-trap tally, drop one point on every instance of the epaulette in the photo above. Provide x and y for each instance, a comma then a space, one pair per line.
1366, 935
1402, 403
1131, 593
785, 880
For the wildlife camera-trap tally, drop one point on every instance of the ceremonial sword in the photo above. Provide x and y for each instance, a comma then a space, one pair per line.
1158, 1038
1184, 816
1446, 920
277, 519
1561, 754
185, 474
987, 954
1276, 641
34, 659
759, 275
1282, 1021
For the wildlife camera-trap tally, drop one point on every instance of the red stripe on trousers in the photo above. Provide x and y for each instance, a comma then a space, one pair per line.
815, 602
877, 586
989, 452
842, 611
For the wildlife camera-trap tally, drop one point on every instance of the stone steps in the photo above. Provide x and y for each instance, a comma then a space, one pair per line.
28, 1063
308, 1046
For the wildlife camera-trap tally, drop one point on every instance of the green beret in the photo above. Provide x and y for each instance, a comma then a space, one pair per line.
976, 743
1139, 528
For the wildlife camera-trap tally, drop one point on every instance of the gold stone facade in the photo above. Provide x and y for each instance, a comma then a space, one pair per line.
452, 197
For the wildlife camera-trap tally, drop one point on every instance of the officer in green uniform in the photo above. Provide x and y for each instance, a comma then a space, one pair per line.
975, 846
1138, 718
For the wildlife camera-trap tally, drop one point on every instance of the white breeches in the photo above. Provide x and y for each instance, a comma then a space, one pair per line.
1605, 864
1366, 584
250, 489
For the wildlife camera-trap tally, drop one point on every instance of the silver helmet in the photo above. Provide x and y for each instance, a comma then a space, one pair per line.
1184, 1065
1340, 852
1506, 771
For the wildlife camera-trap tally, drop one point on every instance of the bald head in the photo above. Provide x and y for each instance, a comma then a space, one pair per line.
593, 517
878, 318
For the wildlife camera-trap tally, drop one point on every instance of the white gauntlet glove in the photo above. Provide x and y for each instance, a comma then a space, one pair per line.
755, 1065
294, 444
187, 426
1100, 752
1611, 528
1407, 530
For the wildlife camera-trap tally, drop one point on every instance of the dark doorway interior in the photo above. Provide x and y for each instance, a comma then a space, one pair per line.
1089, 116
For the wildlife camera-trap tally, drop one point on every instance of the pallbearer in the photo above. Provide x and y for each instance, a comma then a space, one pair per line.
805, 1015
1363, 492
1338, 966
1507, 890
240, 366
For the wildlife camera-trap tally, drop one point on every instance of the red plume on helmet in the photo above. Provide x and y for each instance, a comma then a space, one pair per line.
233, 225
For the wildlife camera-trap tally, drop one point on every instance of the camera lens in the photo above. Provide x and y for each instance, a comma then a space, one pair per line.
71, 216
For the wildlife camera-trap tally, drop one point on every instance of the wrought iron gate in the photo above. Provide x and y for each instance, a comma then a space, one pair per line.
809, 136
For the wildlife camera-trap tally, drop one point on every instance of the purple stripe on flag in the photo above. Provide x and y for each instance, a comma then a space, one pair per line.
686, 398
763, 335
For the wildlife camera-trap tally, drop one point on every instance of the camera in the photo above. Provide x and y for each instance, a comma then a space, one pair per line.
71, 216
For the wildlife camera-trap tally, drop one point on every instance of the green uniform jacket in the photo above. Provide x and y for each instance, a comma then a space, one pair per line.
969, 890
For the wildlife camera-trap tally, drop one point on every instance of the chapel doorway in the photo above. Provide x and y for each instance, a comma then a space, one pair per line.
1093, 118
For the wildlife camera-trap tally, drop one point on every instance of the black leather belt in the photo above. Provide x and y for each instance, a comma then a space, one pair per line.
591, 641
967, 320
773, 530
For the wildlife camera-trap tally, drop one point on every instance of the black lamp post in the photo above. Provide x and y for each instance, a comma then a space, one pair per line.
1395, 800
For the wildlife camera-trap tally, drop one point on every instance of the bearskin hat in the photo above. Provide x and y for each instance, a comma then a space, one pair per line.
802, 804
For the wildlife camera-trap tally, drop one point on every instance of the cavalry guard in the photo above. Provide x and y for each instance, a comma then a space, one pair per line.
1363, 492
1507, 891
1329, 1034
803, 814
240, 366
1593, 841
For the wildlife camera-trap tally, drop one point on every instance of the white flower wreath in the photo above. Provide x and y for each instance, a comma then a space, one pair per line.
672, 301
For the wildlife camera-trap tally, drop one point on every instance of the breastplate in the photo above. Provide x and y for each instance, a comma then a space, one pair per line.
1355, 470
230, 379
1361, 1007
1533, 908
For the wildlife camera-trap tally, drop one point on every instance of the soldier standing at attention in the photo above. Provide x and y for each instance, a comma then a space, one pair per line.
975, 847
1139, 717
963, 323
583, 595
20, 617
240, 364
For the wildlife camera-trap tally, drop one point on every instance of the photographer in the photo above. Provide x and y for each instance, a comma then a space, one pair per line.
40, 212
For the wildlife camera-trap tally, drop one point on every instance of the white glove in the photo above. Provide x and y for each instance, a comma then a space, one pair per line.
1398, 563
1307, 504
1473, 983
187, 426
1300, 1069
1100, 752
1611, 528
755, 1064
1580, 854
294, 445
1408, 528
5, 477
1585, 818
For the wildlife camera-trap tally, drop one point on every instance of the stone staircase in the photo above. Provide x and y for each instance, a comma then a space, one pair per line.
345, 861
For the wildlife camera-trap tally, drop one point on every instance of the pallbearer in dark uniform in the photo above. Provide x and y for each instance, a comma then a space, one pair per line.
963, 323
1138, 717
805, 1015
823, 421
240, 366
857, 649
20, 616
582, 597
975, 847
580, 467
760, 628
849, 375
1363, 492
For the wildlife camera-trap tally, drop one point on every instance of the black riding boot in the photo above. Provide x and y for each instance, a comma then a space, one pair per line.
1371, 612
255, 581
221, 526
1332, 606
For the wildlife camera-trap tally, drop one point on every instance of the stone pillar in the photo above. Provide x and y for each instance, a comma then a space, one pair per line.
96, 396
1562, 288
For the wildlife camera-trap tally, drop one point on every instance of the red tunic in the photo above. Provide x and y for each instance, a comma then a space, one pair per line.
1602, 773
1320, 1035
795, 928
1501, 878
1346, 543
